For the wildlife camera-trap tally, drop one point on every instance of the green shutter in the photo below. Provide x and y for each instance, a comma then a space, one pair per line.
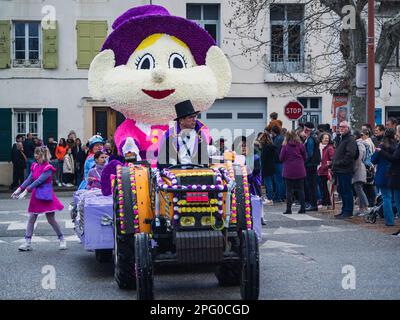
50, 124
50, 48
91, 36
5, 134
5, 29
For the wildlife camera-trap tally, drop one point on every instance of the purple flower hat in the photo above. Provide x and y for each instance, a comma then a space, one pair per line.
136, 24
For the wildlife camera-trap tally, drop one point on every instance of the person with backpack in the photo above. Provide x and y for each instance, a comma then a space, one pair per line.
313, 160
369, 188
360, 175
343, 167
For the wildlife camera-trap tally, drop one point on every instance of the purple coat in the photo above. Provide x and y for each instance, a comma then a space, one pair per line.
293, 155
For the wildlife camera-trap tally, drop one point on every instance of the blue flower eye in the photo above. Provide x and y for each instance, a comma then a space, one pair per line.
176, 61
146, 62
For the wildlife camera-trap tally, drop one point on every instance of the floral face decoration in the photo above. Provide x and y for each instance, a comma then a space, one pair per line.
152, 61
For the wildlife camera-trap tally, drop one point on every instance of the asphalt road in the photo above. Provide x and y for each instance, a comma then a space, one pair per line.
302, 257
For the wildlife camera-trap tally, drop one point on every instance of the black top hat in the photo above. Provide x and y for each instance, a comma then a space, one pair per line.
184, 109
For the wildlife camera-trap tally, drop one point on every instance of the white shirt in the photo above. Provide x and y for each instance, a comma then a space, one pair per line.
187, 141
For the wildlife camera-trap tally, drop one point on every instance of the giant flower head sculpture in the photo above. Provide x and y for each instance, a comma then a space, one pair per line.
150, 62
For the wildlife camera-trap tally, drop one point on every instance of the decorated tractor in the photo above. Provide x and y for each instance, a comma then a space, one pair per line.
186, 214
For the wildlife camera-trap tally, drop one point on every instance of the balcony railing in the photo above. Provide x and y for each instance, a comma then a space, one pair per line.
291, 63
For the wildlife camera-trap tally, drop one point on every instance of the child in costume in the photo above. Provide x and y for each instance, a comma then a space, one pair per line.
148, 64
94, 175
43, 199
96, 143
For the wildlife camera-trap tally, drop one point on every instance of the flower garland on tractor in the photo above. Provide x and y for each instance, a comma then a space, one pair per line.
247, 196
121, 198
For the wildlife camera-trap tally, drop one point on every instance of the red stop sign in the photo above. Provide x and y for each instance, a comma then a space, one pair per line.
294, 110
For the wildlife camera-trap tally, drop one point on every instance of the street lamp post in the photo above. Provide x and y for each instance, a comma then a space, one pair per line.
371, 64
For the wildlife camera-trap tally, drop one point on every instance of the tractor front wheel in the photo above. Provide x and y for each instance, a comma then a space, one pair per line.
250, 275
143, 267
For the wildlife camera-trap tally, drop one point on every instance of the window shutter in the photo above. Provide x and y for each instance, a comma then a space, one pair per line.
50, 48
5, 30
91, 36
50, 124
5, 134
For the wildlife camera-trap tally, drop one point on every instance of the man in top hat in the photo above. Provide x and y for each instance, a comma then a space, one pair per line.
187, 142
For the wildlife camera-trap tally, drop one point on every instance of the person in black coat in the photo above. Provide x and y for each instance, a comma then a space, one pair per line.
79, 154
343, 167
18, 159
394, 170
269, 158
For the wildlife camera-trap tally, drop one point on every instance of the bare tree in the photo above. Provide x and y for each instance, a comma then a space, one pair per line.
334, 68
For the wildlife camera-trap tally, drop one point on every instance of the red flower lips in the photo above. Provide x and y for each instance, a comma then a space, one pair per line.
158, 94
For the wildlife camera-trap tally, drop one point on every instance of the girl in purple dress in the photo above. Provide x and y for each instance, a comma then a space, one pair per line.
43, 199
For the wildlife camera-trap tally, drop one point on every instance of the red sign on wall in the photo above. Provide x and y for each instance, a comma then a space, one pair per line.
294, 110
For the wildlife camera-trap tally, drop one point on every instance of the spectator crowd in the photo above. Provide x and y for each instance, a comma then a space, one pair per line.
68, 157
308, 164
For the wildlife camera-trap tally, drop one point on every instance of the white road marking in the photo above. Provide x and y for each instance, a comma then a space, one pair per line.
34, 239
282, 230
324, 228
12, 211
72, 238
18, 226
300, 217
8, 222
1, 241
270, 244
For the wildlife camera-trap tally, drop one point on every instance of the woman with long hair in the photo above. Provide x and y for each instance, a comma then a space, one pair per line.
43, 199
293, 155
324, 174
269, 157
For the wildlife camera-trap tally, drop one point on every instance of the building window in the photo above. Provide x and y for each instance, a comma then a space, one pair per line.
312, 110
287, 45
28, 121
219, 115
207, 16
27, 44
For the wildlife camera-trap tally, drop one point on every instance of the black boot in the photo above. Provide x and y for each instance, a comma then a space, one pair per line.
288, 210
302, 209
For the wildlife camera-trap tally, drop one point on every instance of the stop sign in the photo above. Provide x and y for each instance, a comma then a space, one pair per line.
294, 110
